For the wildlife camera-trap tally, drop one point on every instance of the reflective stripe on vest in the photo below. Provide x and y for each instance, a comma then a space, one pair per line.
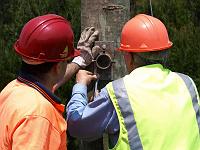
194, 94
127, 114
157, 109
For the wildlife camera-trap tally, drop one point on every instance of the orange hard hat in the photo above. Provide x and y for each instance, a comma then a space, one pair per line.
47, 38
144, 33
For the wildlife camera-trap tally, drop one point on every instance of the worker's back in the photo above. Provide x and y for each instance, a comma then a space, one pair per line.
157, 110
23, 109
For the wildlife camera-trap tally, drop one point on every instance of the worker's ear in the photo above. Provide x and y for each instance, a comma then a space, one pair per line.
56, 68
128, 57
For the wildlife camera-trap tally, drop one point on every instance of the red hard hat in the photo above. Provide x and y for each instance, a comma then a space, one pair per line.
47, 38
144, 33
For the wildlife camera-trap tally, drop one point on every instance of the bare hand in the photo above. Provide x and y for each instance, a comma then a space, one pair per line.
85, 77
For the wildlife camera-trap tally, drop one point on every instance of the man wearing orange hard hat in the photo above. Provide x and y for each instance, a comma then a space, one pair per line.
151, 108
30, 114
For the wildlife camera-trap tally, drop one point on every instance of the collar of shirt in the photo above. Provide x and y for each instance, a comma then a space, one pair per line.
32, 82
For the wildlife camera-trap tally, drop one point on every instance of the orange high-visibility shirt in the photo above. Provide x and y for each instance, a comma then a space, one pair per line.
29, 121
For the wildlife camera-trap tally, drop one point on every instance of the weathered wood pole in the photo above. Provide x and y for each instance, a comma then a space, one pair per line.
108, 16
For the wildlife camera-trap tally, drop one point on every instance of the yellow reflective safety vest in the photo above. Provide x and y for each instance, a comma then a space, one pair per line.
157, 109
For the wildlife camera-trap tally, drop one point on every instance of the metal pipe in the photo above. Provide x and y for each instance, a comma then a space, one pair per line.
103, 61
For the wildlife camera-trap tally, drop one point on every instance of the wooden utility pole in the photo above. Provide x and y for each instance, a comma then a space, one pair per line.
108, 16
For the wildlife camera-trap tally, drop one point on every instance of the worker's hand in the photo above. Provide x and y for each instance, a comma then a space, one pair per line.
85, 77
85, 44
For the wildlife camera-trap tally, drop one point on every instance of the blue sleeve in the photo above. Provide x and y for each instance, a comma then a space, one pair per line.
89, 121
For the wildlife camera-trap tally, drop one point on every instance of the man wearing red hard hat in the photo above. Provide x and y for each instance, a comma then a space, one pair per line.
151, 108
30, 114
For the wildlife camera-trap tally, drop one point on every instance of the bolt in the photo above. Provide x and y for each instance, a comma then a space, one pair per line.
103, 46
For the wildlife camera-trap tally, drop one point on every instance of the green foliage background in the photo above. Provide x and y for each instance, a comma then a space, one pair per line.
182, 18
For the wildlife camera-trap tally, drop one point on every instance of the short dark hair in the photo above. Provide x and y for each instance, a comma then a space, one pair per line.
37, 70
154, 57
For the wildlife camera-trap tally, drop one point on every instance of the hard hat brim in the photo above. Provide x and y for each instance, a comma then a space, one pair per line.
145, 50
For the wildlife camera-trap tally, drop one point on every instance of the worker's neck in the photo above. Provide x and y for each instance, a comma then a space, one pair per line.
46, 81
